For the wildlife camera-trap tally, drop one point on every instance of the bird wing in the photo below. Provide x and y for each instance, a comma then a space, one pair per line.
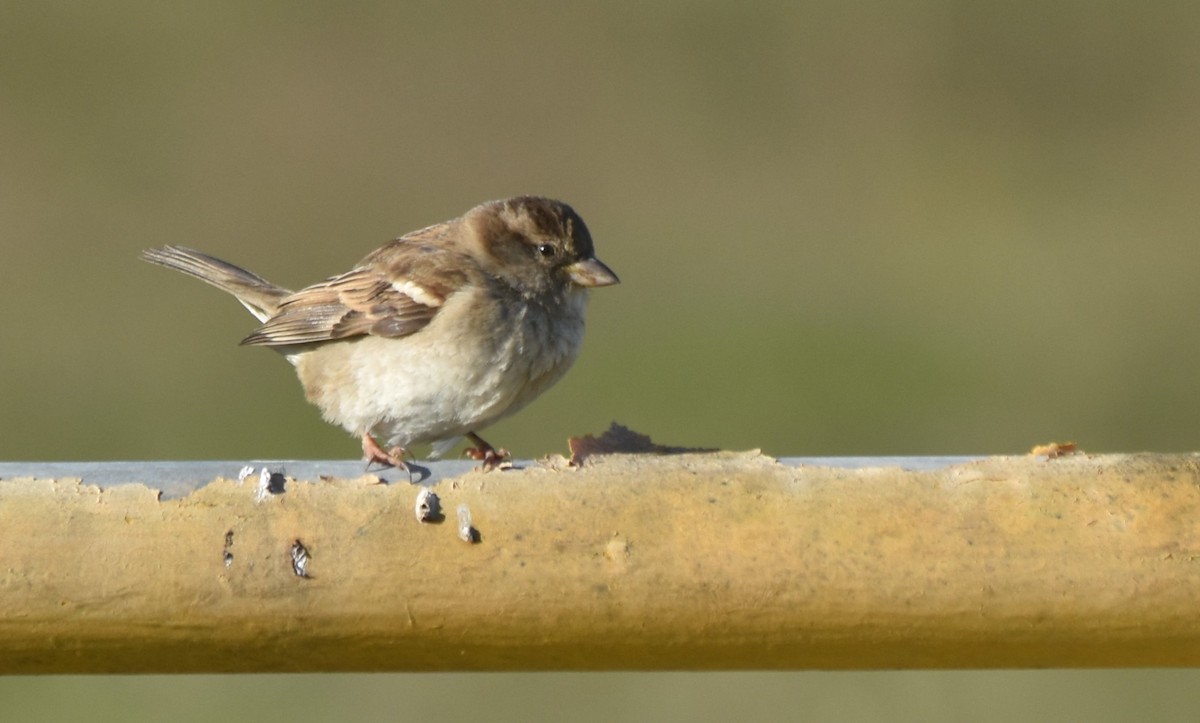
395, 293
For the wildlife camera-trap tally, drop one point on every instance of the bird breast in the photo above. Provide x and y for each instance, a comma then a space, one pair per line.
459, 374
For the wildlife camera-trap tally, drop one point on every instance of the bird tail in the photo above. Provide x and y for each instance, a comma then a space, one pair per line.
257, 294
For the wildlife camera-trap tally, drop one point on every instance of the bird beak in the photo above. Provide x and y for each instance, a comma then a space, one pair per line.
591, 272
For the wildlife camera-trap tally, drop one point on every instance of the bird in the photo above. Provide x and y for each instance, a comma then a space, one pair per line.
435, 335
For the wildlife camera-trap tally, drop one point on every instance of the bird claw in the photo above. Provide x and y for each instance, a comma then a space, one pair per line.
374, 454
491, 457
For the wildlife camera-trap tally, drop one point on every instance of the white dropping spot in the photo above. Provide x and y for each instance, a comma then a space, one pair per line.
246, 472
263, 489
428, 507
417, 293
299, 559
466, 532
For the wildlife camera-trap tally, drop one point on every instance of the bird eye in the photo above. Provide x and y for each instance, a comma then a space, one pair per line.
547, 251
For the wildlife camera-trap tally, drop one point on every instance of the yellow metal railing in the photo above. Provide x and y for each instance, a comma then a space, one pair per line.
696, 562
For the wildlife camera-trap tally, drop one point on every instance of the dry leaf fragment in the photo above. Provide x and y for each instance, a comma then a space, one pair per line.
1054, 450
619, 439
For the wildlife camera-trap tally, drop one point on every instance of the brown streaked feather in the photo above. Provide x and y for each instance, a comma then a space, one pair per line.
257, 294
364, 301
422, 242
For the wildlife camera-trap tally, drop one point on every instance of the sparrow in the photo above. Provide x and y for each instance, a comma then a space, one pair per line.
435, 335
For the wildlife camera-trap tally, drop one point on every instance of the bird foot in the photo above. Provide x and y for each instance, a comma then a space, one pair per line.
491, 457
374, 454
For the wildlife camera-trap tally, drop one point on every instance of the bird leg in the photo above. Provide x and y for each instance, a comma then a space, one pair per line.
374, 454
486, 453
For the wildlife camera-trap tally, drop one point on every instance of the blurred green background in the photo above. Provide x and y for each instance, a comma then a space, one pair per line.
843, 229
